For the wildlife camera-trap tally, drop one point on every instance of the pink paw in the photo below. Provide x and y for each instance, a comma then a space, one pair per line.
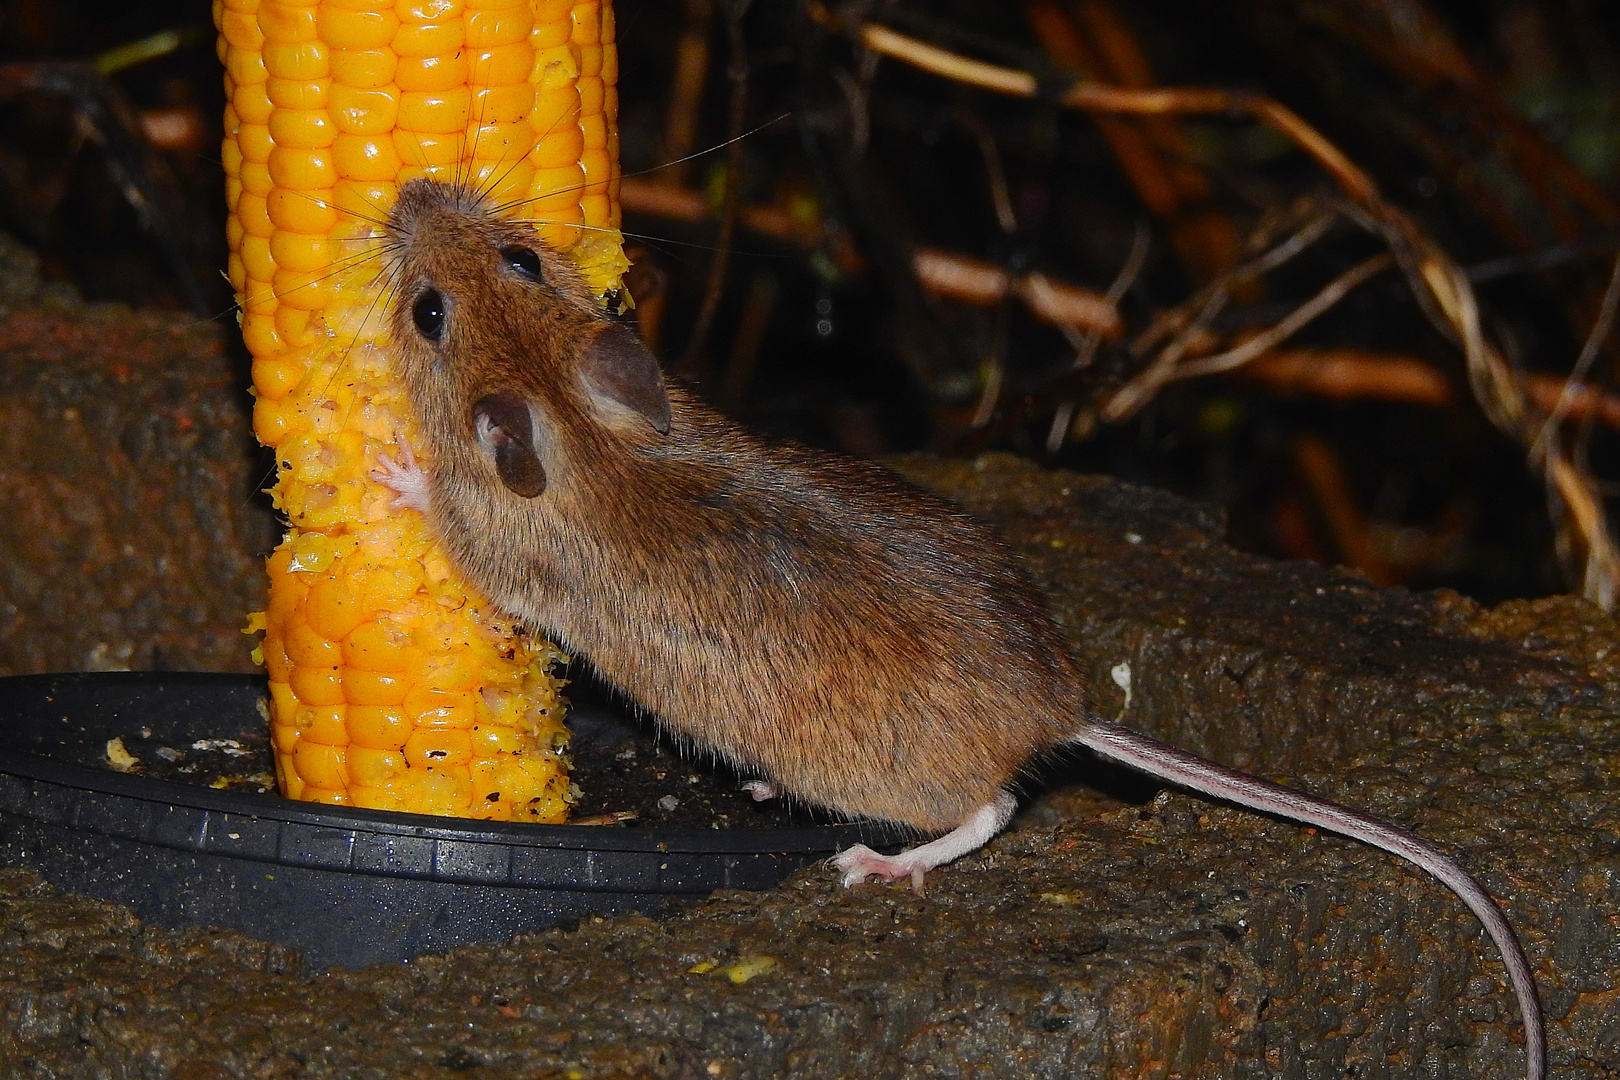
763, 789
405, 478
861, 862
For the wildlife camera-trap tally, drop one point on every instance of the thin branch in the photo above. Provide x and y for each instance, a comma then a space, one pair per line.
1349, 374
737, 71
1094, 97
1315, 225
1443, 291
1204, 307
1583, 365
975, 281
1085, 346
1331, 294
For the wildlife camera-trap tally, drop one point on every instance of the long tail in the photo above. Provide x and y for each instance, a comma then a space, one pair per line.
1165, 762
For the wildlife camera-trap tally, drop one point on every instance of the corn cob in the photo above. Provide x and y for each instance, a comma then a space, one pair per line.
393, 685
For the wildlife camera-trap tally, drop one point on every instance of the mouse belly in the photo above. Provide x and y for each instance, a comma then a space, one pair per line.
875, 686
860, 754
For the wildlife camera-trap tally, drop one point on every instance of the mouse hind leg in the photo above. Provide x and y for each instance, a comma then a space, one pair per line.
861, 862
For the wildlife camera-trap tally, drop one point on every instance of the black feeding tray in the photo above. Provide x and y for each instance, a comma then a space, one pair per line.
345, 887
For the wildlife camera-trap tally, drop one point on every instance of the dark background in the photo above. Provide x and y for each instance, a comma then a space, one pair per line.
824, 335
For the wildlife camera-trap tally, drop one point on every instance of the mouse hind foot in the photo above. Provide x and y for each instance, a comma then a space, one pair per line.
861, 862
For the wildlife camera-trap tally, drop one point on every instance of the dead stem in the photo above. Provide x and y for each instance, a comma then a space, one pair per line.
975, 281
1192, 329
1314, 224
1441, 287
1350, 374
1331, 294
1093, 41
692, 361
1320, 466
1583, 366
686, 93
1085, 346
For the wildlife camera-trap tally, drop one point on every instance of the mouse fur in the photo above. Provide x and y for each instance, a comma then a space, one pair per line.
859, 641
774, 603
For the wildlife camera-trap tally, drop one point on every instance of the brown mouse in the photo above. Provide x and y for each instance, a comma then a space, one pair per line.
859, 641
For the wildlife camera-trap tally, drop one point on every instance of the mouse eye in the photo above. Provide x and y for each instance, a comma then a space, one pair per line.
428, 314
524, 261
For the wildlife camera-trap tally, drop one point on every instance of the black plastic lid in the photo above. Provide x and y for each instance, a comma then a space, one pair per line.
346, 886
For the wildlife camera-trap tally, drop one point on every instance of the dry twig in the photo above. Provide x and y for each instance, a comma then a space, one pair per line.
974, 281
1264, 342
1067, 306
1583, 365
1190, 322
1085, 346
1348, 374
692, 362
1090, 40
1441, 287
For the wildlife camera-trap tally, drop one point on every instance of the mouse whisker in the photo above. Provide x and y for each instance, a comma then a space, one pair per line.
339, 267
382, 296
379, 221
665, 165
496, 180
661, 242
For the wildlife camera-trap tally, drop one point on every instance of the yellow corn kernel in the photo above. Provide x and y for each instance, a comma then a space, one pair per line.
436, 111
374, 768
296, 60
328, 726
358, 110
309, 211
252, 103
364, 69
297, 93
282, 22
362, 158
503, 104
368, 29
435, 39
393, 684
434, 72
322, 767
381, 727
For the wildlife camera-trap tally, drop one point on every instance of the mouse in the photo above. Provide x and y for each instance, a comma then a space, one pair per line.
860, 643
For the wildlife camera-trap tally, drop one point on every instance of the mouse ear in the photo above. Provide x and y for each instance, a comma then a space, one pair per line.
506, 430
618, 367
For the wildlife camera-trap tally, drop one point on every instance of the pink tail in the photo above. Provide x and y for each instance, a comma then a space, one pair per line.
1165, 762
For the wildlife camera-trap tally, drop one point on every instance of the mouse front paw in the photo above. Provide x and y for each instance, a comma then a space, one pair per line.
405, 478
763, 789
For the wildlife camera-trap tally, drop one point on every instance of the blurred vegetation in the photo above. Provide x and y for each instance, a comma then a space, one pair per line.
840, 247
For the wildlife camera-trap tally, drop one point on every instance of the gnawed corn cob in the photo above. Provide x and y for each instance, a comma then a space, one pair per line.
393, 685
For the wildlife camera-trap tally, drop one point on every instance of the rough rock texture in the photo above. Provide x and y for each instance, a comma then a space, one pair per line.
129, 534
1294, 661
1175, 938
